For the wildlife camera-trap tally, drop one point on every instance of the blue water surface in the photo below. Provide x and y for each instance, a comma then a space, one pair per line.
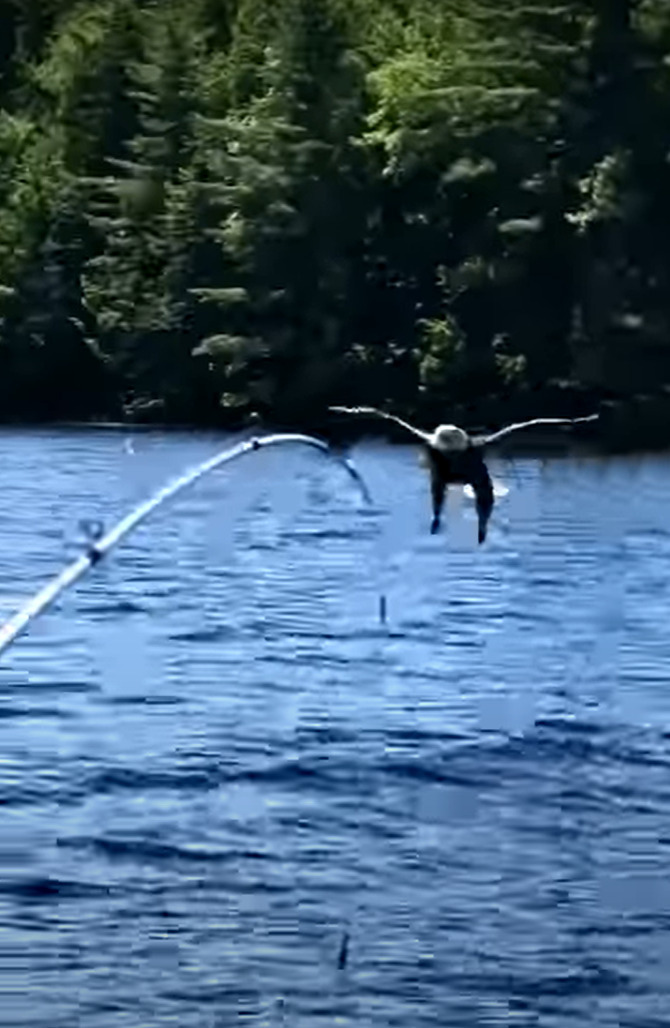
215, 760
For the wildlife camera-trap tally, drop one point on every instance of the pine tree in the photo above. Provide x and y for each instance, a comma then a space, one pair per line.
466, 121
289, 193
620, 214
135, 286
52, 368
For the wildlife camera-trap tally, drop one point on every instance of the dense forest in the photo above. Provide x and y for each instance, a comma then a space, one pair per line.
209, 207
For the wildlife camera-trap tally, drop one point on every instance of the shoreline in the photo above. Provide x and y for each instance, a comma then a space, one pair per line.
632, 425
540, 443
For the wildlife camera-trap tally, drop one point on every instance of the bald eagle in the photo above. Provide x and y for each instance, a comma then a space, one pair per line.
455, 457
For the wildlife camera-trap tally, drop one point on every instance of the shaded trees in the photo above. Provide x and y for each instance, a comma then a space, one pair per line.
289, 180
214, 205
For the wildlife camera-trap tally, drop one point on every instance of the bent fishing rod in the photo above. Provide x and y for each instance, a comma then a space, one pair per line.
100, 547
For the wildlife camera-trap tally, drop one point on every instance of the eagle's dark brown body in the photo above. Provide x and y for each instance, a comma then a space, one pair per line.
455, 456
465, 467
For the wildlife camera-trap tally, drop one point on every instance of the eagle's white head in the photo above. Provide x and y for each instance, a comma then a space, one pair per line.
449, 439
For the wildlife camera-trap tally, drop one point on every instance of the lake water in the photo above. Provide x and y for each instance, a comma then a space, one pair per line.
215, 760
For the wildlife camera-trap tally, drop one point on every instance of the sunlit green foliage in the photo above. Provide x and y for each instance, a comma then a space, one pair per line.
208, 206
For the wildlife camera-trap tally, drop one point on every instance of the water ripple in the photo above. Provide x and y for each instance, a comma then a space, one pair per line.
217, 763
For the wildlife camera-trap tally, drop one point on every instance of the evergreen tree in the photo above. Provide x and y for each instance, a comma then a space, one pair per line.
289, 192
213, 205
136, 285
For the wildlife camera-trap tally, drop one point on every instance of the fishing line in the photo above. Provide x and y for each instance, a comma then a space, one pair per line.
100, 544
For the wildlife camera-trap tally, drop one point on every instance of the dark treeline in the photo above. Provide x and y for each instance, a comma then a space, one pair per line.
213, 206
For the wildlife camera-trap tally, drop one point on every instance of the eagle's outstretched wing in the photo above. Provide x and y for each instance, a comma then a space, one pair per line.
486, 440
416, 432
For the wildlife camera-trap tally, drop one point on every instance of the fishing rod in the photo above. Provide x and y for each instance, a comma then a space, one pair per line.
100, 547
